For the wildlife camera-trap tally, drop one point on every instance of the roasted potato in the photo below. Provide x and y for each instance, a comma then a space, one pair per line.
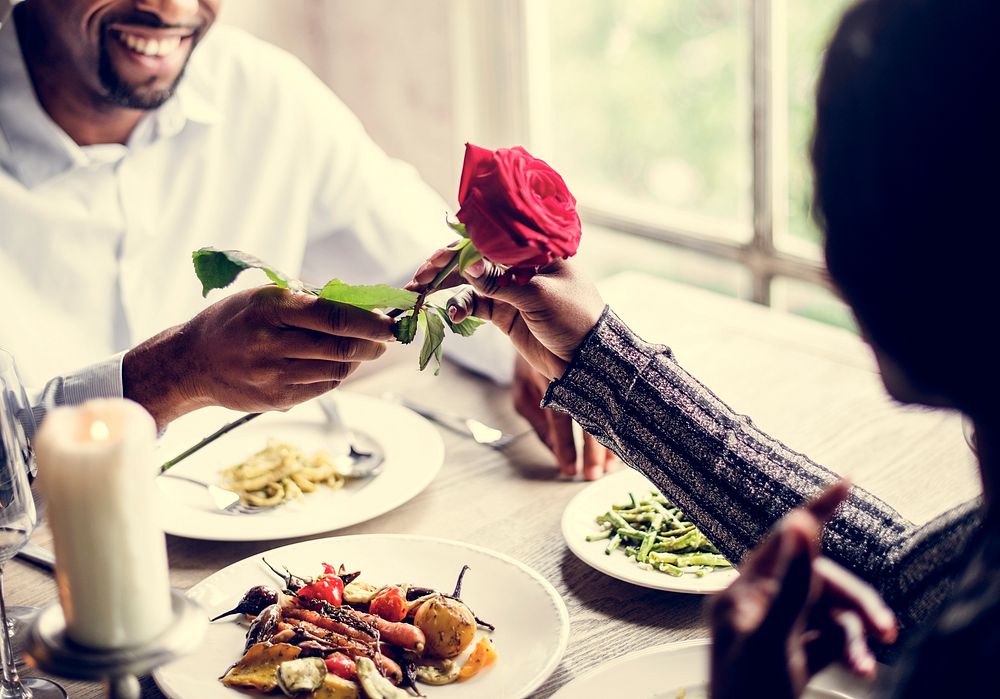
336, 688
448, 624
258, 668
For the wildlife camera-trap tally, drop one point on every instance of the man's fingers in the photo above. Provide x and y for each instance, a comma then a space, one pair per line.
594, 458
304, 371
312, 313
563, 444
848, 591
309, 344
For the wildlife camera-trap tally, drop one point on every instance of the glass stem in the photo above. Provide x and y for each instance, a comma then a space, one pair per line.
11, 680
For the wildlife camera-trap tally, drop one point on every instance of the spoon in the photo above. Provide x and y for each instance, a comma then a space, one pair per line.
364, 457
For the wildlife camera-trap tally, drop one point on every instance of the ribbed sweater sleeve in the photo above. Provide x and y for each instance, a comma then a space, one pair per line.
733, 480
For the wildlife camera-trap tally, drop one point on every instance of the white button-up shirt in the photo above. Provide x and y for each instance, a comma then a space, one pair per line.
252, 152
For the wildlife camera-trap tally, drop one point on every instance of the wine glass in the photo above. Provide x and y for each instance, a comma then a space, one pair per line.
18, 518
19, 617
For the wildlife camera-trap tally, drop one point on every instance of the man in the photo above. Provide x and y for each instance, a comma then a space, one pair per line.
130, 135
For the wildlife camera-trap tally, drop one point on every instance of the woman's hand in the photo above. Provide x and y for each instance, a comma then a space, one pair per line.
546, 318
792, 612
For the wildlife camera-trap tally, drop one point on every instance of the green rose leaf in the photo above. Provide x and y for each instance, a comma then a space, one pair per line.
468, 255
457, 227
433, 328
465, 328
217, 269
405, 329
368, 297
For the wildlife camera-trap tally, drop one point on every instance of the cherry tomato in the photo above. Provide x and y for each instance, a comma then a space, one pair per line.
341, 666
326, 588
389, 603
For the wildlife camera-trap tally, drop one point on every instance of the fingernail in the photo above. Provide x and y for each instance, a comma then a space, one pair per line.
476, 269
567, 469
452, 312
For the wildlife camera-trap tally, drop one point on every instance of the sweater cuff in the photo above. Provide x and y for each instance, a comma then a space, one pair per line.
610, 351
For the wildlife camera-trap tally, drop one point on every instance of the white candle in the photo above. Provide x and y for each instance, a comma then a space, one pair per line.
95, 468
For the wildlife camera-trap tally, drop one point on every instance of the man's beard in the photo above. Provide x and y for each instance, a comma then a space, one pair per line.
121, 94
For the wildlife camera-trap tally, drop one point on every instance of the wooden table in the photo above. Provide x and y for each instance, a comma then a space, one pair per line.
813, 386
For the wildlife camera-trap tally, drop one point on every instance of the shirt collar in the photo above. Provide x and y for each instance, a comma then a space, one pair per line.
34, 148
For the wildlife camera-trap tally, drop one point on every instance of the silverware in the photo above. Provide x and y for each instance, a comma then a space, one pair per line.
364, 457
41, 557
470, 427
226, 501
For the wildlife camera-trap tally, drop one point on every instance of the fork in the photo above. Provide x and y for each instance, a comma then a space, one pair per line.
225, 501
470, 427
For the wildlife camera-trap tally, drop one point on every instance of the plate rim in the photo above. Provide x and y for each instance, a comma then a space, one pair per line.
629, 657
820, 681
434, 443
557, 601
665, 583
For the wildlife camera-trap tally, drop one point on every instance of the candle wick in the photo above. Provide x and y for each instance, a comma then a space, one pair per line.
99, 431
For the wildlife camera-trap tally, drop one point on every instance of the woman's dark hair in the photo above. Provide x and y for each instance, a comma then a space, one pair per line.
906, 155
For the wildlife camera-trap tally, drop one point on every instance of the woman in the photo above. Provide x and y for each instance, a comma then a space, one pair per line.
905, 153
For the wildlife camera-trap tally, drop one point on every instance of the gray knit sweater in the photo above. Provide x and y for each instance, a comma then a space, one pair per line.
735, 482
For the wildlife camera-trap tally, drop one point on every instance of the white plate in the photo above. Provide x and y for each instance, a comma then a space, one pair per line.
532, 625
414, 453
579, 520
661, 672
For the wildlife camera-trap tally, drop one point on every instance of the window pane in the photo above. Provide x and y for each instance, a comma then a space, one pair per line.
651, 109
810, 25
811, 301
604, 252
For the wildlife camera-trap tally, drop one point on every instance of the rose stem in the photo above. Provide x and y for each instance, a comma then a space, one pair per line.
438, 278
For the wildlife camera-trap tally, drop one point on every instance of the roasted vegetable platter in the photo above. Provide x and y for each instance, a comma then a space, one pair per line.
401, 615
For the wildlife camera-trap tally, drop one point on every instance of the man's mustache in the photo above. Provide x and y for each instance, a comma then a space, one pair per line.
149, 20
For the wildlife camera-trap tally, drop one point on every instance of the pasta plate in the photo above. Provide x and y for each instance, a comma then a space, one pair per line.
414, 453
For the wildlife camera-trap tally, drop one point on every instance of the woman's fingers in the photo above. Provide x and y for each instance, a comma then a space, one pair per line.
844, 589
824, 505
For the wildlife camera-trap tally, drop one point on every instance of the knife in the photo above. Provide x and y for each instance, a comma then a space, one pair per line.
41, 557
470, 427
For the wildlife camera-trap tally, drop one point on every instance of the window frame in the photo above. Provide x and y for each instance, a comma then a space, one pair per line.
509, 69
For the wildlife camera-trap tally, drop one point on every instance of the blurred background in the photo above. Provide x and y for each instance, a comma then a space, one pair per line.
682, 126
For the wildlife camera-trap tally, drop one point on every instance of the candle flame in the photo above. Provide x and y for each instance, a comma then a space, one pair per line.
99, 431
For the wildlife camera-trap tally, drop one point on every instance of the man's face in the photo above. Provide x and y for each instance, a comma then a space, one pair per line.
126, 53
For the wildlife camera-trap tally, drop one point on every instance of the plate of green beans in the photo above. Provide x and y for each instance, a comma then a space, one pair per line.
624, 528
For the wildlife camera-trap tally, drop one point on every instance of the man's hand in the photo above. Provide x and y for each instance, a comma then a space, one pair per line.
261, 349
556, 429
792, 612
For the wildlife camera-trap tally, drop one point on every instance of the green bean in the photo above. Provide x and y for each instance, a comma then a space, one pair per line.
612, 545
657, 535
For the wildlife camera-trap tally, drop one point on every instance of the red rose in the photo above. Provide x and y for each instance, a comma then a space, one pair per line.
516, 209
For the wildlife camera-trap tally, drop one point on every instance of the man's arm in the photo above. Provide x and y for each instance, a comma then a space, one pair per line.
101, 380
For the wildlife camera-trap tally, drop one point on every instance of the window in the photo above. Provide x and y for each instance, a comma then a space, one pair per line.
685, 122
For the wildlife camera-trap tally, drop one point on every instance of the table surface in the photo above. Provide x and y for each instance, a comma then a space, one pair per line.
812, 386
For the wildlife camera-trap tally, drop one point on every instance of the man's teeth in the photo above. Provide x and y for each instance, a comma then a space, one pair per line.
150, 47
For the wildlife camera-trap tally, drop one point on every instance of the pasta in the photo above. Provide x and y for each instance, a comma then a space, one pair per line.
280, 472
